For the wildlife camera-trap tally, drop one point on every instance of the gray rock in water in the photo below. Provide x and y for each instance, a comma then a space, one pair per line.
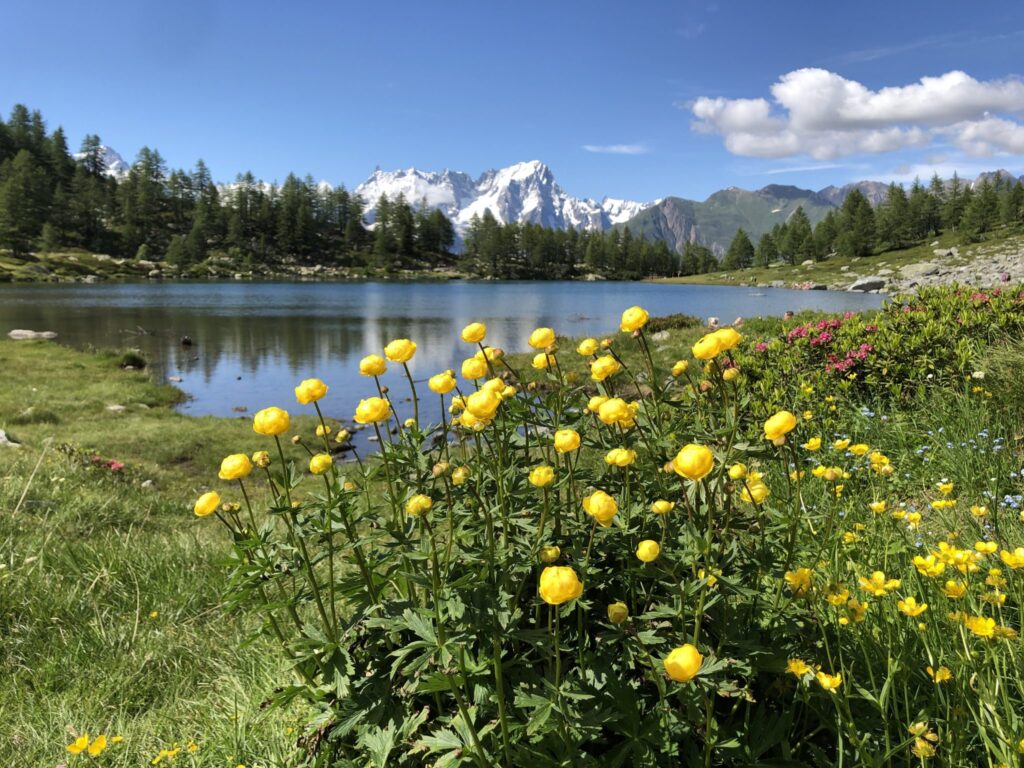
6, 442
154, 273
20, 334
866, 284
778, 284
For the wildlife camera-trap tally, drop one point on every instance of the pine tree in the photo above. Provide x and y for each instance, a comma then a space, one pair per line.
798, 230
953, 208
740, 253
23, 202
767, 252
856, 226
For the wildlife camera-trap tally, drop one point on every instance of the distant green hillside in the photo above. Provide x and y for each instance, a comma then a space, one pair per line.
714, 222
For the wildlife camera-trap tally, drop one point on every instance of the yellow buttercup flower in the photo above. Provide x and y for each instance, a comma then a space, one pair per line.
836, 594
620, 457
981, 626
940, 675
797, 667
474, 368
442, 383
911, 607
855, 611
877, 584
985, 547
542, 476
648, 550
813, 444
600, 506
474, 333
372, 365
418, 504
841, 445
567, 440
603, 367
945, 487
683, 663
587, 347
799, 581
694, 462
954, 590
829, 682
309, 391
542, 338
96, 748
550, 553
1014, 559
235, 467
778, 426
271, 422
559, 584
679, 368
633, 319
617, 613
662, 507
929, 565
207, 504
320, 463
707, 347
878, 507
371, 410
400, 350
979, 511
79, 745
859, 449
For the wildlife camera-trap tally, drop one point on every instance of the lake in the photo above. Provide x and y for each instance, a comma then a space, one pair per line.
254, 341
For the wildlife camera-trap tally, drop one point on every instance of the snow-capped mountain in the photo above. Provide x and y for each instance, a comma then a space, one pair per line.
113, 164
524, 192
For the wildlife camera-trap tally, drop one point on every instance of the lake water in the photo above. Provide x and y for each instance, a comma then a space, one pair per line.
254, 341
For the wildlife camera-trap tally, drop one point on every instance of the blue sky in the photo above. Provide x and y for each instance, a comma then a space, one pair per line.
636, 100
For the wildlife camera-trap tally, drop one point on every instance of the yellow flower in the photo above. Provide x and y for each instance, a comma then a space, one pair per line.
1013, 559
800, 581
954, 590
614, 411
460, 475
980, 625
778, 426
587, 347
728, 338
271, 422
541, 361
235, 467
837, 594
418, 504
559, 584
911, 607
603, 367
829, 682
797, 667
877, 585
400, 350
737, 471
372, 409
849, 537
808, 415
694, 462
940, 675
550, 553
542, 338
474, 368
617, 613
320, 463
754, 491
567, 440
442, 383
662, 507
207, 504
855, 610
600, 506
97, 747
620, 457
859, 449
683, 663
483, 404
633, 319
372, 365
813, 444
841, 445
707, 347
309, 391
648, 550
929, 566
985, 547
679, 368
79, 745
878, 507
731, 374
474, 333
541, 476
945, 487
490, 353
979, 511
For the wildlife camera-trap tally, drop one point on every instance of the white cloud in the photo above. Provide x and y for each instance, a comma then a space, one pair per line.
617, 149
823, 115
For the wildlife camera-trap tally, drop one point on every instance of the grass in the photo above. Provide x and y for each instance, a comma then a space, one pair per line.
110, 589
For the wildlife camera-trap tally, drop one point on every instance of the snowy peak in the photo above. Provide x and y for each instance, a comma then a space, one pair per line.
525, 192
113, 164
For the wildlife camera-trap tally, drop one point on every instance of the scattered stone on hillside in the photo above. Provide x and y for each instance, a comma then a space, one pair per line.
807, 263
844, 268
884, 272
659, 336
868, 284
777, 284
923, 269
91, 279
6, 442
115, 408
20, 334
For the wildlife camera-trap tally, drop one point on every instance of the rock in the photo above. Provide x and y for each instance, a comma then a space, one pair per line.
6, 442
844, 268
934, 243
817, 287
175, 379
807, 263
20, 334
941, 252
923, 269
712, 322
115, 408
954, 252
867, 284
91, 279
777, 284
154, 273
882, 272
148, 484
145, 264
659, 336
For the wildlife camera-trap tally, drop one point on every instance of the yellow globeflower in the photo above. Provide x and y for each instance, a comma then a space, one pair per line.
483, 404
617, 613
707, 347
754, 492
614, 411
235, 467
261, 459
737, 471
728, 338
320, 463
309, 391
418, 504
542, 476
541, 361
662, 507
648, 550
587, 347
372, 365
207, 504
600, 506
679, 368
474, 333
594, 404
559, 584
567, 440
400, 350
372, 409
731, 374
542, 338
460, 475
271, 422
633, 319
603, 367
694, 462
683, 663
620, 457
778, 426
442, 383
474, 368
550, 553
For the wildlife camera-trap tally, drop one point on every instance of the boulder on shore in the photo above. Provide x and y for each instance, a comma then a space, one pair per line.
866, 284
20, 334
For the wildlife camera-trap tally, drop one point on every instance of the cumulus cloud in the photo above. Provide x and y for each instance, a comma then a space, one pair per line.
617, 149
818, 113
